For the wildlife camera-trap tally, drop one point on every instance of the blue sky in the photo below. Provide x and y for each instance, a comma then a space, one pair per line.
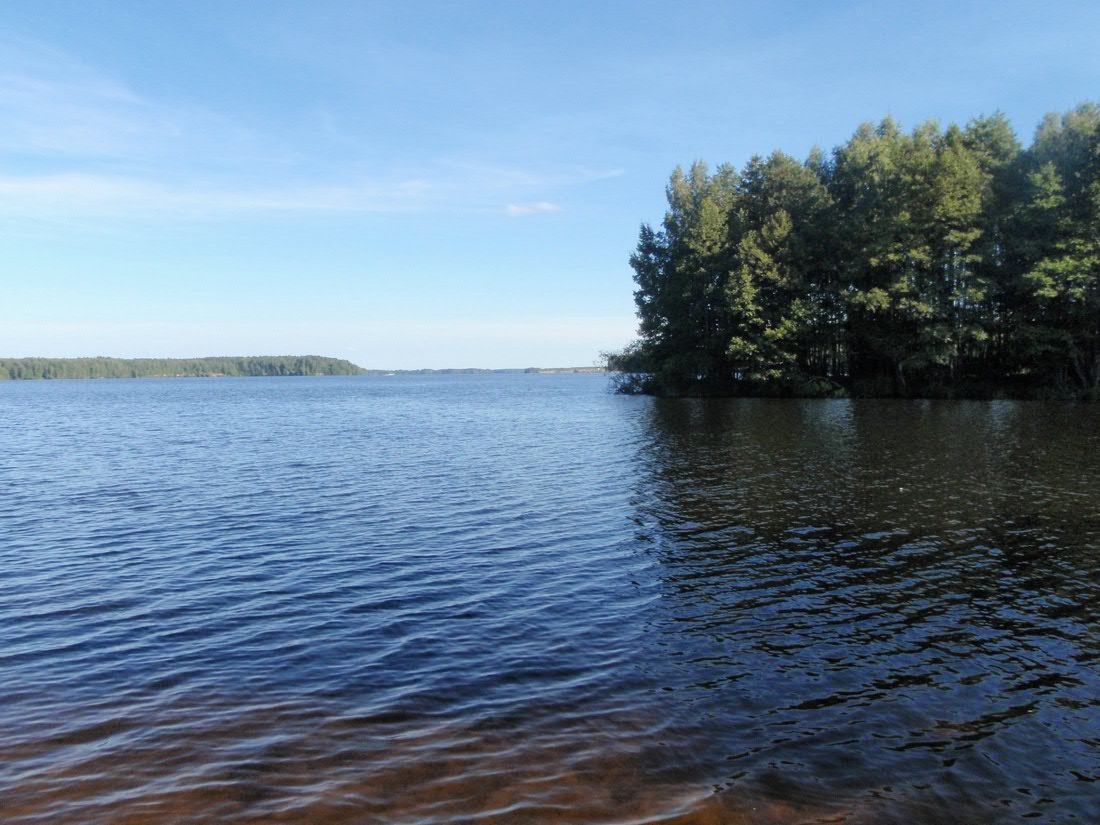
433, 184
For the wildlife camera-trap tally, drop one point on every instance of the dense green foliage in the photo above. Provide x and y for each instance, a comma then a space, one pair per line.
174, 367
938, 263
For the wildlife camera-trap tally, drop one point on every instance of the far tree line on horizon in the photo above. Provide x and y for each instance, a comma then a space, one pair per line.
937, 263
253, 365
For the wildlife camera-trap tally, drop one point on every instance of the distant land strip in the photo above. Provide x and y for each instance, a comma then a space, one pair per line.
480, 371
222, 366
226, 366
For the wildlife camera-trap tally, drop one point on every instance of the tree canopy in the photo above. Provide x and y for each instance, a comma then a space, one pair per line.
941, 262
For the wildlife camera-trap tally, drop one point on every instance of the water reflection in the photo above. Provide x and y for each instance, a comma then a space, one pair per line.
508, 600
890, 604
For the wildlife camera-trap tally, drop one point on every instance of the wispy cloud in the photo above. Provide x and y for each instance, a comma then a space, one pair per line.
518, 210
58, 108
390, 343
79, 144
74, 194
68, 195
507, 176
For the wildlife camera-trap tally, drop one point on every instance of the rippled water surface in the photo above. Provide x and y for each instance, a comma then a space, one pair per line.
519, 598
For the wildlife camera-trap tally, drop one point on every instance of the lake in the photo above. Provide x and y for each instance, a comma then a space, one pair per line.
521, 598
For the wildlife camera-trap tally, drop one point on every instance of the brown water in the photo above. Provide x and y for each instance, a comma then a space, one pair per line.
522, 599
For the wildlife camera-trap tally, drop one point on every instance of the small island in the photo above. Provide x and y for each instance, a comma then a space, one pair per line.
221, 366
937, 263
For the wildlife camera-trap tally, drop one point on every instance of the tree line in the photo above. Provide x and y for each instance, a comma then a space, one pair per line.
18, 368
934, 263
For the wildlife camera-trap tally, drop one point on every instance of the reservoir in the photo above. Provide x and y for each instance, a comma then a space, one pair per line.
514, 598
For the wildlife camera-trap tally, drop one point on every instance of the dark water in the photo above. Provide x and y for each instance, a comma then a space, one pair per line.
522, 599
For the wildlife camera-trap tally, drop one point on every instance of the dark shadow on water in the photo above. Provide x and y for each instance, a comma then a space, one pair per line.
889, 603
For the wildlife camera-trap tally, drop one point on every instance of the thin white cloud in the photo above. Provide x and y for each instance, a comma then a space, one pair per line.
68, 195
518, 210
388, 343
503, 176
73, 195
83, 145
57, 107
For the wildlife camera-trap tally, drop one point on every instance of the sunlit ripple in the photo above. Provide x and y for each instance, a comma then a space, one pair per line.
523, 599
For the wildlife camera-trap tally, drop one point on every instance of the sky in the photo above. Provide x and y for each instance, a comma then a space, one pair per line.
413, 184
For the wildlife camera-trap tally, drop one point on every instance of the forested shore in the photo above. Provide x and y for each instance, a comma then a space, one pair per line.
20, 368
933, 263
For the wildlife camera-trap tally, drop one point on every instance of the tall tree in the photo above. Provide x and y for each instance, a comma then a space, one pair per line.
1060, 332
781, 290
681, 273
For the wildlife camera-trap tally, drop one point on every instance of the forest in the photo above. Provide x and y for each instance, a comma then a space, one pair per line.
937, 263
17, 368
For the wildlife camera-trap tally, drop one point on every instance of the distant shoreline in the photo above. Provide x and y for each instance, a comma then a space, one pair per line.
259, 366
207, 367
485, 371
